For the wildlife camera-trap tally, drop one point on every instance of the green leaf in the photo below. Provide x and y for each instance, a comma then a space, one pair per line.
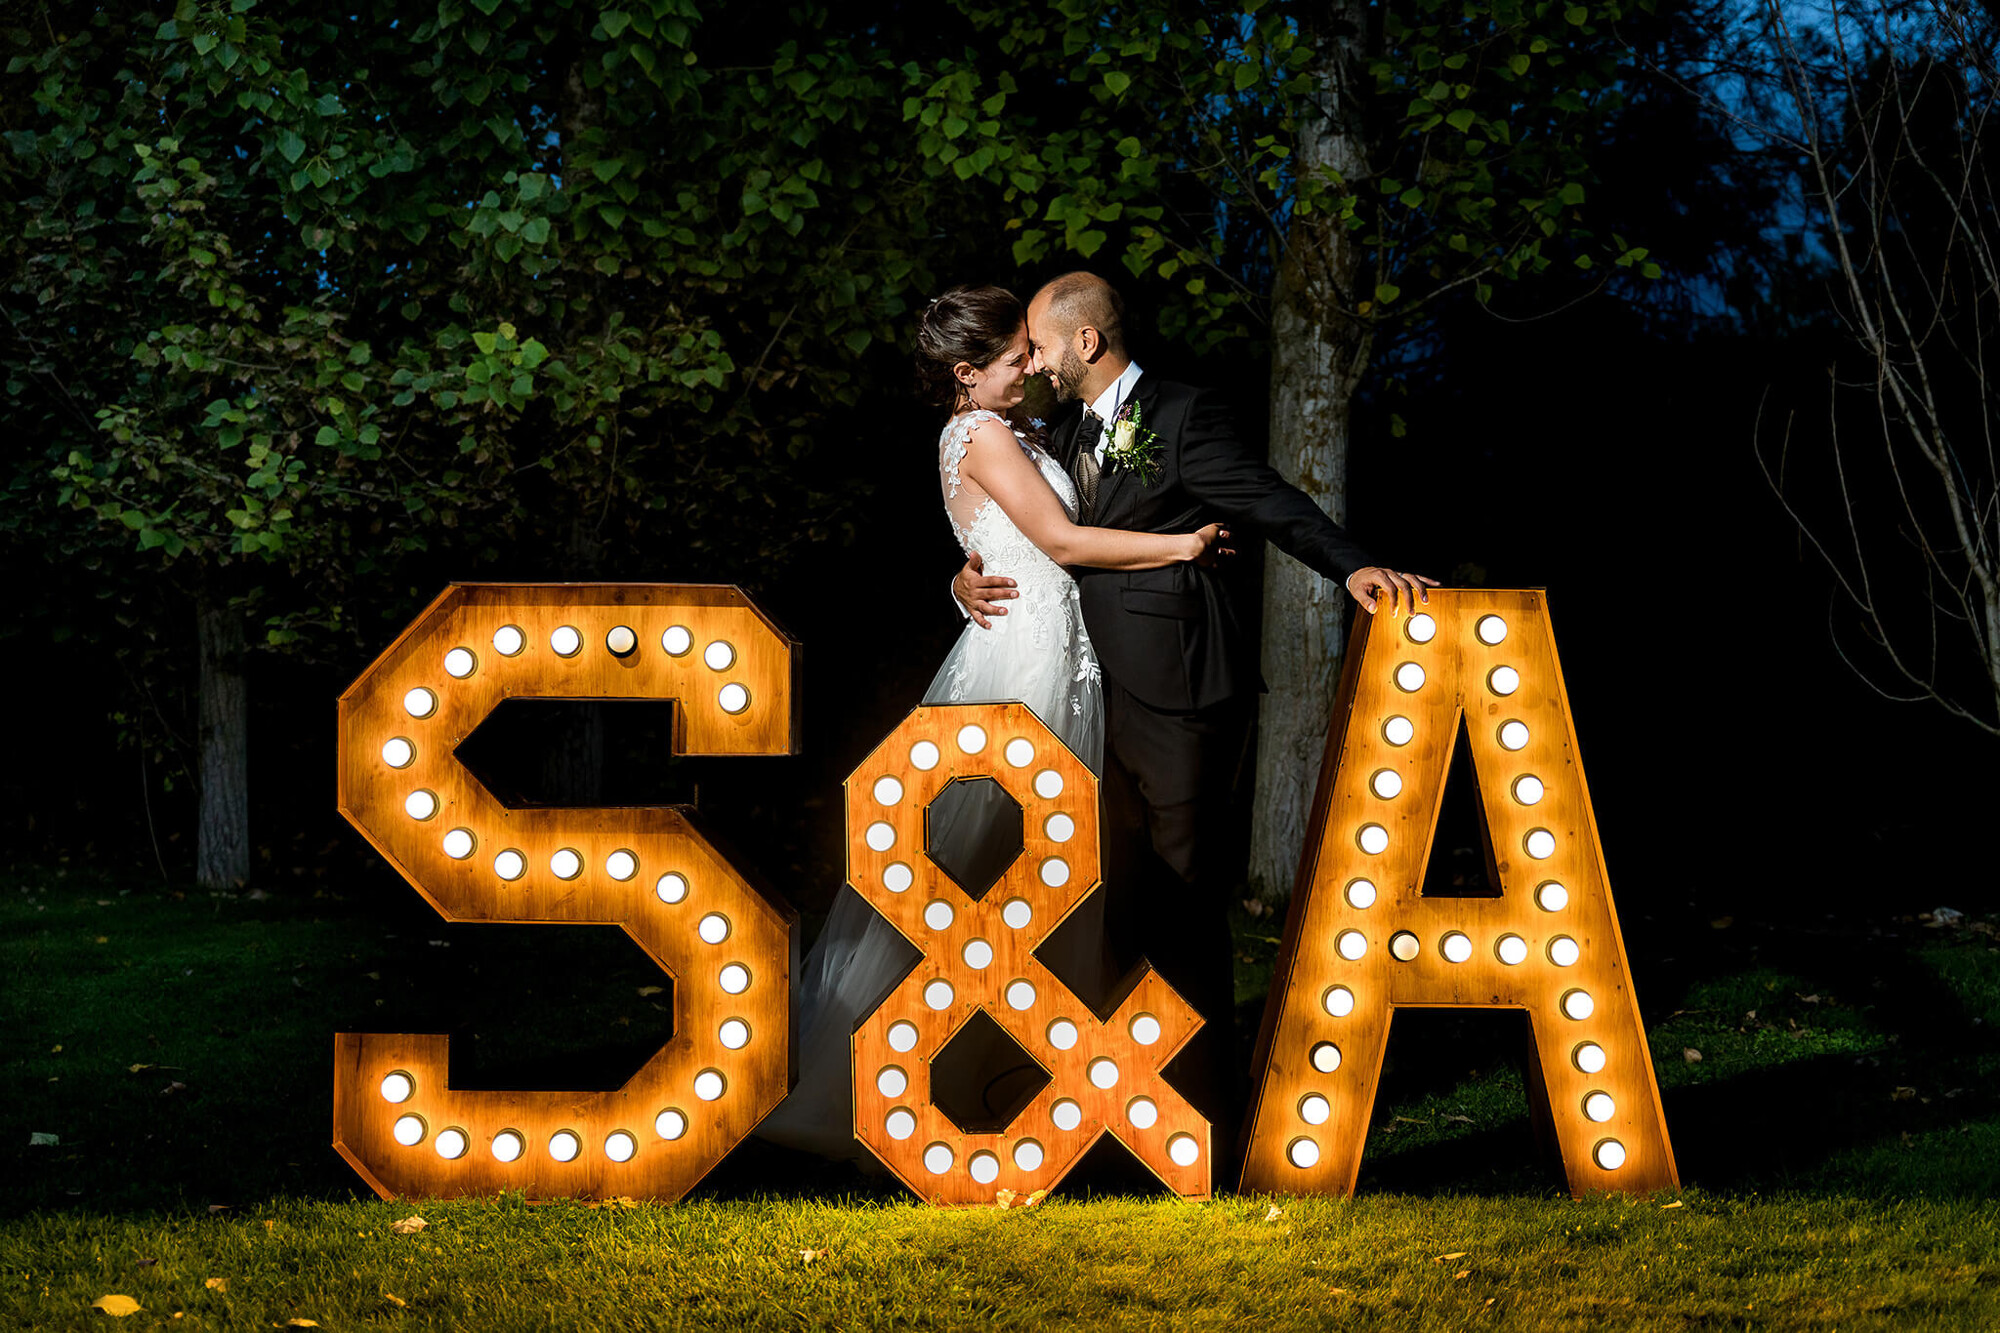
535, 231
1117, 81
615, 21
1571, 194
1386, 292
291, 145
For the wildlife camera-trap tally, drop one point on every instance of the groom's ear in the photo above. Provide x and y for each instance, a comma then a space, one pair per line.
1089, 343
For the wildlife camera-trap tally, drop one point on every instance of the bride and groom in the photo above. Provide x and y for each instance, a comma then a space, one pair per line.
1094, 592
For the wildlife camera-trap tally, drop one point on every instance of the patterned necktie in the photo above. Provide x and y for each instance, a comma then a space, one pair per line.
1084, 469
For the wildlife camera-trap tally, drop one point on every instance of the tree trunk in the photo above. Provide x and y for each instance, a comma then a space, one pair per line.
222, 845
1317, 357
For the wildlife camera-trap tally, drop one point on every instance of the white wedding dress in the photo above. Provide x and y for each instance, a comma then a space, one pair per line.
1038, 653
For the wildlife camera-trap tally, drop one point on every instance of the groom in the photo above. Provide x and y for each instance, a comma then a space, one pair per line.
1180, 668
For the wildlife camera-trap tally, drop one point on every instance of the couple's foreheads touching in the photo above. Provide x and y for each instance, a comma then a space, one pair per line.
976, 346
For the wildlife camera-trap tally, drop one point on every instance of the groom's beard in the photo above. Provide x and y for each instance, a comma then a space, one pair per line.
1068, 377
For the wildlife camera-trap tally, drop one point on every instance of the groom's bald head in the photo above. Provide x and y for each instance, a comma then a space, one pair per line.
1078, 301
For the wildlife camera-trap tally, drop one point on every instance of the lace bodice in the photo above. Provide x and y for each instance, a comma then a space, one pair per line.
978, 521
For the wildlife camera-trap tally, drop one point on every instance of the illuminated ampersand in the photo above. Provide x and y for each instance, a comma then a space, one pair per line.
728, 948
978, 955
1363, 941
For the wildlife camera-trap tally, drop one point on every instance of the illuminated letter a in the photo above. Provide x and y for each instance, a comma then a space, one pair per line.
1363, 941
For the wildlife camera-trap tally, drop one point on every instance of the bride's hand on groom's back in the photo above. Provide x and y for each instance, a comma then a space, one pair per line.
1208, 545
981, 593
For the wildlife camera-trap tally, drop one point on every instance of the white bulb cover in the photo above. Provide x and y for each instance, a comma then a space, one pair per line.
397, 752
619, 1146
1183, 1150
1055, 872
1020, 752
898, 877
1062, 1034
508, 640
1048, 784
1421, 628
1388, 783
1142, 1112
1314, 1109
420, 702
621, 865
938, 914
903, 1037
420, 804
1599, 1107
564, 1146
1578, 1005
939, 994
734, 1034
924, 756
1059, 828
1352, 945
459, 663
892, 1082
566, 864
1589, 1057
1066, 1115
1325, 1057
1017, 913
620, 640
937, 1159
713, 928
1361, 893
565, 641
1338, 1001
1513, 735
510, 865
1145, 1029
1455, 947
397, 1087
1563, 951
972, 738
732, 698
670, 1124
900, 1124
1028, 1155
709, 1085
1491, 630
450, 1144
1409, 677
1304, 1153
1374, 839
719, 655
458, 843
1528, 790
1512, 950
978, 954
675, 640
984, 1167
734, 978
1552, 896
1503, 680
888, 791
409, 1130
1610, 1155
507, 1146
1403, 946
1398, 730
1541, 844
671, 887
881, 836
1020, 995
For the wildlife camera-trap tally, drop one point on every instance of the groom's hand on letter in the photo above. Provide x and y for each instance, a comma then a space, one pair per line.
981, 593
1367, 585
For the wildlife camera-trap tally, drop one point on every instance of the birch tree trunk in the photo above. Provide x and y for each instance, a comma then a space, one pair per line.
222, 840
1317, 359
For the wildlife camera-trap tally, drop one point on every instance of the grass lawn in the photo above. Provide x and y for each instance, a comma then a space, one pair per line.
1839, 1132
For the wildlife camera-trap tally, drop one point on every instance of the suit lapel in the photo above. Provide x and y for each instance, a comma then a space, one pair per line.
1064, 441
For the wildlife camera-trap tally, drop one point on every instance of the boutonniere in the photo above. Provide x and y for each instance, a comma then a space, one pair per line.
1130, 445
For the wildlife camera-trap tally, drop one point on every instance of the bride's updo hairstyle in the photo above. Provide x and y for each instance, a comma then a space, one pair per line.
975, 325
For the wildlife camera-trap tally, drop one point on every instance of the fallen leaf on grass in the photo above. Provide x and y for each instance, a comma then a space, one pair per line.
172, 1088
809, 1255
1722, 923
1902, 1094
117, 1306
650, 990
144, 1263
1274, 1214
1462, 1119
395, 1300
215, 1208
1447, 1258
1691, 1055
408, 1226
40, 1140
1337, 1291
216, 1283
56, 1049
270, 1224
1463, 1272
139, 1068
298, 1323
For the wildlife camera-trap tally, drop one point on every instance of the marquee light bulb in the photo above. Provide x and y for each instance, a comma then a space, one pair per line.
1512, 950
1059, 828
1145, 1029
984, 1167
420, 702
1503, 680
1589, 1057
1048, 784
1314, 1109
1610, 1155
450, 1144
937, 1159
420, 804
1540, 843
892, 1082
720, 655
1062, 1034
566, 864
1578, 1005
709, 1085
670, 1124
734, 1034
1398, 730
1374, 839
900, 1124
898, 877
713, 928
676, 640
1303, 1153
1387, 783
732, 698
938, 914
460, 663
1020, 752
458, 843
510, 865
671, 888
1361, 893
619, 1146
971, 738
1183, 1150
564, 641
1563, 951
888, 791
881, 836
1066, 1115
564, 1146
1352, 945
1491, 630
903, 1037
1017, 913
1599, 1107
621, 865
508, 640
398, 752
1513, 735
978, 954
1552, 897
1338, 1001
1421, 628
1409, 677
1055, 872
1403, 946
939, 994
1021, 994
1455, 947
620, 641
1028, 1155
508, 1146
924, 756
397, 1087
409, 1130
1325, 1057
1142, 1113
1528, 789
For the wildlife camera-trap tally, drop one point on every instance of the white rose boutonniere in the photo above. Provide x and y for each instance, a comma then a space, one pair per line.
1130, 445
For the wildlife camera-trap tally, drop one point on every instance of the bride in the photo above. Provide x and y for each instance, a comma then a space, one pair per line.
1013, 507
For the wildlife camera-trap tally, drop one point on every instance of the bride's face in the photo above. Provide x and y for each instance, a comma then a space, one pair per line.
1001, 383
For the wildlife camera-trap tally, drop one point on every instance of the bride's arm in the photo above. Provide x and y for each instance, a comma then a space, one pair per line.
993, 459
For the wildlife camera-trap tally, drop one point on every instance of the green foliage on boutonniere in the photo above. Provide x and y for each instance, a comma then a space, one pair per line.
1130, 445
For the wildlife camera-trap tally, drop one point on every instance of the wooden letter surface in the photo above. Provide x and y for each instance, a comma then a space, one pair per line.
1104, 1074
729, 948
1549, 943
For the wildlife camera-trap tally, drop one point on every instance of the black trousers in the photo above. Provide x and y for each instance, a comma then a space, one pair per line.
1175, 845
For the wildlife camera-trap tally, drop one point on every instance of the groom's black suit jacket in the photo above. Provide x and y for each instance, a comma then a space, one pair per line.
1174, 638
